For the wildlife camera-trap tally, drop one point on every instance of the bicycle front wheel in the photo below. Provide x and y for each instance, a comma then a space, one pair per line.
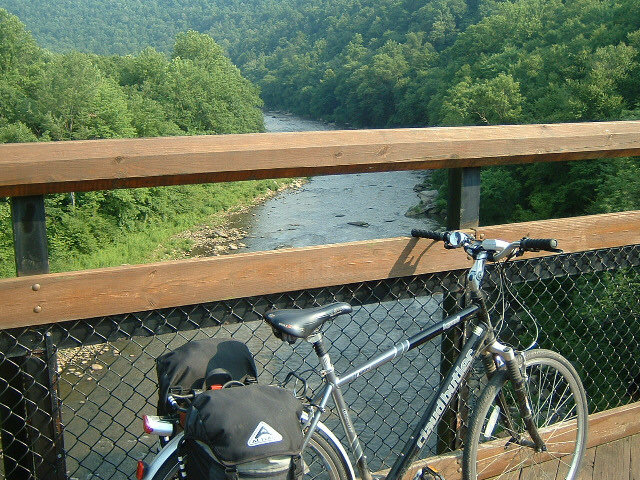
498, 444
321, 461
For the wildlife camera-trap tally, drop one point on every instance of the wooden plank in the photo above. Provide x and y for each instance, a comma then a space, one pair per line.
635, 457
586, 472
604, 428
50, 167
612, 460
614, 424
548, 470
59, 297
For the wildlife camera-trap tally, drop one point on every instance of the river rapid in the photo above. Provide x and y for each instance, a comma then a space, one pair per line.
333, 208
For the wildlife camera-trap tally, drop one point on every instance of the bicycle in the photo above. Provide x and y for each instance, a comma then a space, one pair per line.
533, 408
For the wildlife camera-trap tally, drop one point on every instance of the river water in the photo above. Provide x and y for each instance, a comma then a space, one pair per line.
346, 208
333, 208
103, 404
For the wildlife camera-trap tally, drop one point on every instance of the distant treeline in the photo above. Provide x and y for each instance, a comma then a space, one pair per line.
389, 62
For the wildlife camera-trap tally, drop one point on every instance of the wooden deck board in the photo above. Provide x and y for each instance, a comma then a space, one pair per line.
586, 473
617, 460
612, 460
634, 464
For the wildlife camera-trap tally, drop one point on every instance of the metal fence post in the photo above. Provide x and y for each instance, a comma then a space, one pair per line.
30, 411
463, 211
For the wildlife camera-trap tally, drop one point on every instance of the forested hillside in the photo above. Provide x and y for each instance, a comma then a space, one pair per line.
389, 62
382, 63
50, 96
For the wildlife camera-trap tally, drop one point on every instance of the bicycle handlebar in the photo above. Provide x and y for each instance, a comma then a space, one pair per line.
455, 239
547, 244
430, 234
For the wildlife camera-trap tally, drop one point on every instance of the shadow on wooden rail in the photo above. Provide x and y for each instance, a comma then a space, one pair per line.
48, 298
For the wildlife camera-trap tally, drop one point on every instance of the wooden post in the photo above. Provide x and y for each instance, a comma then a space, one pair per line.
464, 198
30, 410
30, 235
463, 211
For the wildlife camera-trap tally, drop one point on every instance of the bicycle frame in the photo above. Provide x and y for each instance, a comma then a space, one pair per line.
433, 414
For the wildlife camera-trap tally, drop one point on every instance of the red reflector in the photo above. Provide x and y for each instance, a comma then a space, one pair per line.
141, 470
215, 387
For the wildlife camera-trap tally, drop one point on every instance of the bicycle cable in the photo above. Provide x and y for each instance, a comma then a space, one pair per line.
504, 287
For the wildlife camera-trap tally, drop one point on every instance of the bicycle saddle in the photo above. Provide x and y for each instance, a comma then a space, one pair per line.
291, 324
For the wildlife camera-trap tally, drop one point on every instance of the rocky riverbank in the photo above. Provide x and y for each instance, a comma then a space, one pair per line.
218, 236
428, 204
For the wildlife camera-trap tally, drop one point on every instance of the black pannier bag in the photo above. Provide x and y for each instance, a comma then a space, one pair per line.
189, 365
247, 432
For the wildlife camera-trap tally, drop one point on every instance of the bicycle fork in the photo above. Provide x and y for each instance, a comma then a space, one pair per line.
514, 374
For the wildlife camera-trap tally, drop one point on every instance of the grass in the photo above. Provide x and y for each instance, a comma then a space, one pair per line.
147, 237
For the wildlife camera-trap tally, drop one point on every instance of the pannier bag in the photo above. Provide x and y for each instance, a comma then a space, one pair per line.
189, 365
247, 432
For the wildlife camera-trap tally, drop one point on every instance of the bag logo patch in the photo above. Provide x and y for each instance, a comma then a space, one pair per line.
264, 434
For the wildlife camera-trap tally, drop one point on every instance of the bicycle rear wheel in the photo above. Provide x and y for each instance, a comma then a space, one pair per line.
321, 461
559, 408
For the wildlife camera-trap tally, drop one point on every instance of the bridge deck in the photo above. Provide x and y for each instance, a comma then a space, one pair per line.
617, 460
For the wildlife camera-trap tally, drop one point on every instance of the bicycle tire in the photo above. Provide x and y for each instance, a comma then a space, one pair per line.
321, 461
169, 469
559, 406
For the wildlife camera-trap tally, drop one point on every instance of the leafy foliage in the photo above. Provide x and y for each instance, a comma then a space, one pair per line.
52, 96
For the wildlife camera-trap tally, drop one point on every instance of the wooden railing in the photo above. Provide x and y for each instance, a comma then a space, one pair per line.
38, 168
33, 170
49, 298
41, 168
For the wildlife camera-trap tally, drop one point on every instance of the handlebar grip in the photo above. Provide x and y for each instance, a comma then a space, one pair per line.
548, 244
416, 232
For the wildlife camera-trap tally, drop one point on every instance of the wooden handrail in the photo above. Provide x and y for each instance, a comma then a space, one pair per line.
50, 167
42, 299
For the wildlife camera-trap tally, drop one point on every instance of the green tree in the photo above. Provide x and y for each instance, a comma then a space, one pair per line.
75, 101
376, 82
489, 102
203, 92
621, 187
18, 49
20, 59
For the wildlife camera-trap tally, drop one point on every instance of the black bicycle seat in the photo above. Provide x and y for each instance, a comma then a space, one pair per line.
300, 323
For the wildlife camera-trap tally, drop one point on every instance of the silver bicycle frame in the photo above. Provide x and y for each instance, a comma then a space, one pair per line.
448, 388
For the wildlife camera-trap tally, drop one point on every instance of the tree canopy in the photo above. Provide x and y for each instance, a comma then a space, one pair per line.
68, 96
61, 96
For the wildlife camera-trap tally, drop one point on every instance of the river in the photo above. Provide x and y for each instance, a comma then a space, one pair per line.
333, 208
346, 208
105, 391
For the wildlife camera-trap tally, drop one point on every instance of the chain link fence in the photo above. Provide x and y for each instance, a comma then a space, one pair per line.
72, 394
